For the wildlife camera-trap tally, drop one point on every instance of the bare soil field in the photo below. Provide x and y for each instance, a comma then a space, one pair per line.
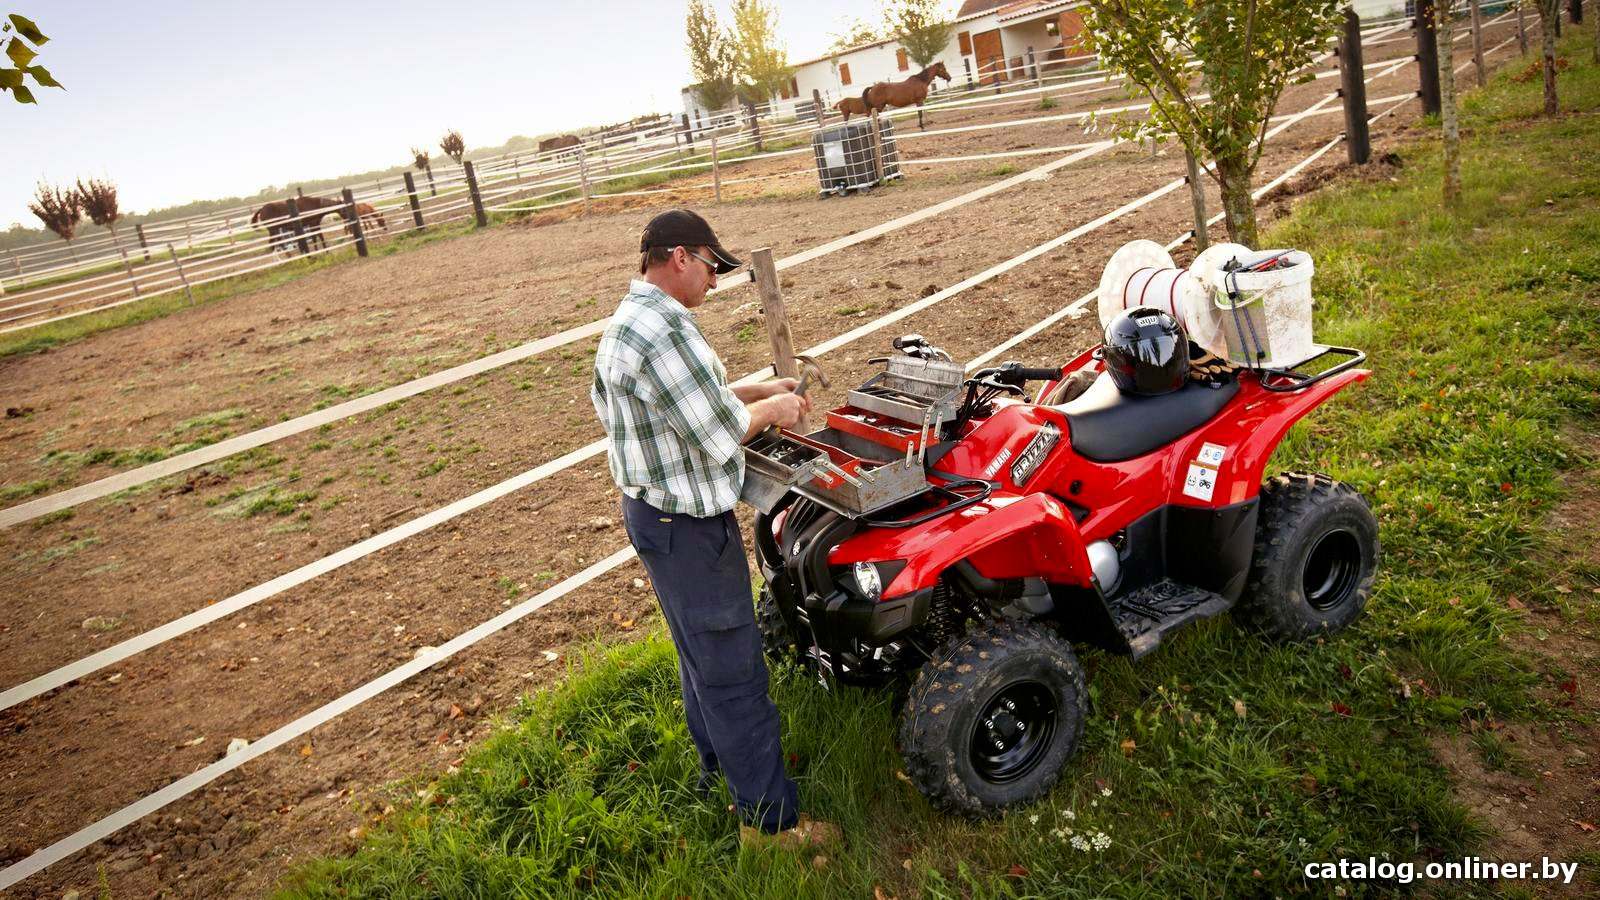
112, 569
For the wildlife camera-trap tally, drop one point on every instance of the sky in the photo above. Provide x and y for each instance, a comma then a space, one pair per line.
195, 99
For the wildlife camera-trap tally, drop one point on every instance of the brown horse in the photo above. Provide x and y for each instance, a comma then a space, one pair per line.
854, 106
368, 216
904, 93
275, 213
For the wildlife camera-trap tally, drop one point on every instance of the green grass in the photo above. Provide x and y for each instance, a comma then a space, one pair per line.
1222, 764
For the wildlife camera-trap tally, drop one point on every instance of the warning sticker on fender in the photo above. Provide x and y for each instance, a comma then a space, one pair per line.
1212, 454
1200, 482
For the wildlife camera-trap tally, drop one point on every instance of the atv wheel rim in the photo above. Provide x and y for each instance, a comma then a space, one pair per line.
1013, 732
1332, 569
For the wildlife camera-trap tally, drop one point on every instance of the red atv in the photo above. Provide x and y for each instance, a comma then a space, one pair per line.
944, 526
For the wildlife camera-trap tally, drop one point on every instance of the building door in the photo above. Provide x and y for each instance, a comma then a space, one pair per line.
990, 58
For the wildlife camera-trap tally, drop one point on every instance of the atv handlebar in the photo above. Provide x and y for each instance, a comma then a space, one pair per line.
1014, 373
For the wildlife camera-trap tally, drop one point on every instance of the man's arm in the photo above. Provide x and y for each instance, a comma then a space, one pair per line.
782, 409
750, 393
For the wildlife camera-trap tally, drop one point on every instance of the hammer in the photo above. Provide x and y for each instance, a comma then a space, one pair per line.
809, 370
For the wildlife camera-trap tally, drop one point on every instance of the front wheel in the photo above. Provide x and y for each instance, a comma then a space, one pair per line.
992, 718
1316, 558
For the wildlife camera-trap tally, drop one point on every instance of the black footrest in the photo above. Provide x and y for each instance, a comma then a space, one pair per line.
1146, 615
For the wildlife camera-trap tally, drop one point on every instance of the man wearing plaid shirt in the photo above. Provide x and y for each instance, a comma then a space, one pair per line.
675, 429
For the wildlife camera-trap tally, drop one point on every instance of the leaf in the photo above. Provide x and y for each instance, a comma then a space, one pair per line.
27, 29
306, 750
20, 53
1585, 827
23, 95
10, 78
1017, 870
1340, 708
43, 76
1239, 709
1128, 747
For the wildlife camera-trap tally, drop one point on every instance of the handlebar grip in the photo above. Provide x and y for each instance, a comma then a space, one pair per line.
1039, 374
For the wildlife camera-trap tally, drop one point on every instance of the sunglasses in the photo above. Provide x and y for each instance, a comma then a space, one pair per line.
709, 264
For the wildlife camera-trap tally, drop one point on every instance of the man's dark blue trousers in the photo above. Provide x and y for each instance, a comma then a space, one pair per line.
702, 579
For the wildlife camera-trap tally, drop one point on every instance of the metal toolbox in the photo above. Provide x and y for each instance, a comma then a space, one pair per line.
843, 472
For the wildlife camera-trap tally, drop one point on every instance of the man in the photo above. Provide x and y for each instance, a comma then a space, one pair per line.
675, 429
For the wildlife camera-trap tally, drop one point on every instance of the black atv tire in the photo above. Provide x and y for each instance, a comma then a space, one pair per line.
1316, 557
777, 639
957, 705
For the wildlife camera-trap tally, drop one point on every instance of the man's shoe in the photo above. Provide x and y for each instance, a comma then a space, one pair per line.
807, 834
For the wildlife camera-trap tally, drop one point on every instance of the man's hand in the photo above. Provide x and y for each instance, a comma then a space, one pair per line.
784, 409
750, 393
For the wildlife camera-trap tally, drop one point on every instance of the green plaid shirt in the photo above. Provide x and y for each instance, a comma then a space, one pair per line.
673, 427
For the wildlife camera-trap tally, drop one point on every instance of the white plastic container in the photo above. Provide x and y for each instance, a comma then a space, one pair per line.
1266, 316
1143, 273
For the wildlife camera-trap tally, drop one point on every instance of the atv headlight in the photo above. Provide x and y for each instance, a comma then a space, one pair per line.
867, 580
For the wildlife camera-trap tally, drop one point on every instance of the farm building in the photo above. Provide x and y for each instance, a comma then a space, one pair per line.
991, 42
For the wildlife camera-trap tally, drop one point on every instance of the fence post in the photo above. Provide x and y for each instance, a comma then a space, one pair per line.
1427, 58
477, 198
1576, 8
416, 204
688, 133
776, 314
188, 233
295, 225
228, 221
127, 267
816, 105
1197, 193
716, 171
178, 264
17, 263
139, 229
1001, 74
583, 177
877, 150
1033, 66
1477, 42
967, 64
755, 127
353, 219
1353, 88
1522, 31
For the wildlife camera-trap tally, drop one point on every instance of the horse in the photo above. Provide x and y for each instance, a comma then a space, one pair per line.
367, 214
275, 213
854, 106
560, 142
904, 93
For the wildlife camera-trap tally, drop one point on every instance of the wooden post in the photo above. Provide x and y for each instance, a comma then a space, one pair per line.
477, 198
967, 64
177, 264
1427, 58
755, 127
1033, 67
1522, 31
127, 267
17, 264
353, 219
716, 170
583, 177
1477, 42
1197, 193
688, 133
1353, 88
416, 204
138, 229
777, 315
1575, 7
816, 105
295, 226
998, 80
877, 150
188, 233
228, 223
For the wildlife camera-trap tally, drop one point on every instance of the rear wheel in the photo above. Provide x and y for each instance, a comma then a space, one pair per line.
992, 718
1316, 558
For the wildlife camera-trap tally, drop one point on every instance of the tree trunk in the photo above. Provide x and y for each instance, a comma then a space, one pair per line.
71, 252
1238, 207
1548, 14
1447, 106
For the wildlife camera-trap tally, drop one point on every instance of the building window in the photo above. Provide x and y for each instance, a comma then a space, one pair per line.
901, 60
965, 40
1052, 28
844, 73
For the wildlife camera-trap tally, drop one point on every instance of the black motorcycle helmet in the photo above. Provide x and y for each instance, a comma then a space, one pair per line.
1146, 352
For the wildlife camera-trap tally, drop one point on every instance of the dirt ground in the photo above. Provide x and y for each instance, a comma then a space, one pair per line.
116, 568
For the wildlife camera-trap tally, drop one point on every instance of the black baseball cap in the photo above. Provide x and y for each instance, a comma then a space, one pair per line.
683, 228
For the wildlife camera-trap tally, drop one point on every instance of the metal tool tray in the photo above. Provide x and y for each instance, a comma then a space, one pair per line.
841, 471
917, 391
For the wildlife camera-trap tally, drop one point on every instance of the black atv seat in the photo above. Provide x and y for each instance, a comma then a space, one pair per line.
1109, 426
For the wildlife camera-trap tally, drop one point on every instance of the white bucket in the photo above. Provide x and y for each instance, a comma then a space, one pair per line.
1266, 316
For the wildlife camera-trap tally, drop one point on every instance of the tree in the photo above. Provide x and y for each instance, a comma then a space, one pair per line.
21, 56
59, 211
1445, 24
1549, 12
453, 146
1248, 51
856, 33
712, 58
763, 63
98, 198
423, 162
921, 26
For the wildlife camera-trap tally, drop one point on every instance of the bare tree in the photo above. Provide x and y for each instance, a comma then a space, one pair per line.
98, 198
1549, 12
1445, 23
453, 146
423, 161
59, 211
